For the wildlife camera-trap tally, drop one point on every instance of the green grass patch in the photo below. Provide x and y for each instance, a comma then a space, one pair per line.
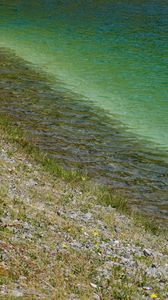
102, 195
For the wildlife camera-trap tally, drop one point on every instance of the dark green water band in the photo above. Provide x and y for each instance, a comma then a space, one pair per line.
81, 136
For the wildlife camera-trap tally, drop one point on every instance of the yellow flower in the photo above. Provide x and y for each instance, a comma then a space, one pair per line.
95, 233
153, 296
64, 245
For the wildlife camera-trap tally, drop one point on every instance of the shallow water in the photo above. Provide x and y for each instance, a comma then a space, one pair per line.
112, 52
102, 105
81, 136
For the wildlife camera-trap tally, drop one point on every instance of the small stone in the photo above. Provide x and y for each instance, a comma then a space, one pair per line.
17, 293
87, 217
147, 288
76, 245
116, 242
93, 285
146, 252
117, 229
26, 225
22, 278
3, 290
96, 297
31, 183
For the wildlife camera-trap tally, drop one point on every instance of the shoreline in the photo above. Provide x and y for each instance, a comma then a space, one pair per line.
22, 88
58, 242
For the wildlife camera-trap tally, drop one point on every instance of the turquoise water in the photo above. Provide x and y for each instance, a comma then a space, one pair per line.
113, 53
102, 105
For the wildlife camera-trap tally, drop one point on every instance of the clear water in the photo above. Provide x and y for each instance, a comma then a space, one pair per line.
103, 105
112, 52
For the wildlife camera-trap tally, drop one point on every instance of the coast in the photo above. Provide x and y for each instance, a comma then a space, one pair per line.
83, 150
58, 242
81, 137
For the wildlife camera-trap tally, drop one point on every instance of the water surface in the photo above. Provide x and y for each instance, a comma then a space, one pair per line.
112, 52
79, 136
102, 105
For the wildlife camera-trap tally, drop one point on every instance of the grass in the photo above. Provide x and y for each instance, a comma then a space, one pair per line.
48, 249
16, 135
104, 195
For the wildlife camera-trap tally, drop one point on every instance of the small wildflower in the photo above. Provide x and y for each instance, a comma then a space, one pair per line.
153, 296
95, 233
64, 245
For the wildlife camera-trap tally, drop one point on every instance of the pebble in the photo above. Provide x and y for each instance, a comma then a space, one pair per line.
112, 249
93, 285
147, 288
96, 297
87, 217
17, 293
147, 252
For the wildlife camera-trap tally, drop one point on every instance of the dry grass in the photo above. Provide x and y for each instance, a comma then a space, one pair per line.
51, 248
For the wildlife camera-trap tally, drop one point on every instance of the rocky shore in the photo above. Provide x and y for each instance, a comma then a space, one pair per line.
58, 242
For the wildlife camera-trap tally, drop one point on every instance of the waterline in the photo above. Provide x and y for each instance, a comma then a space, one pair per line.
81, 137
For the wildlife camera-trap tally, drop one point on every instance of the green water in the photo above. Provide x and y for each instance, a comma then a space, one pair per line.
113, 53
87, 80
